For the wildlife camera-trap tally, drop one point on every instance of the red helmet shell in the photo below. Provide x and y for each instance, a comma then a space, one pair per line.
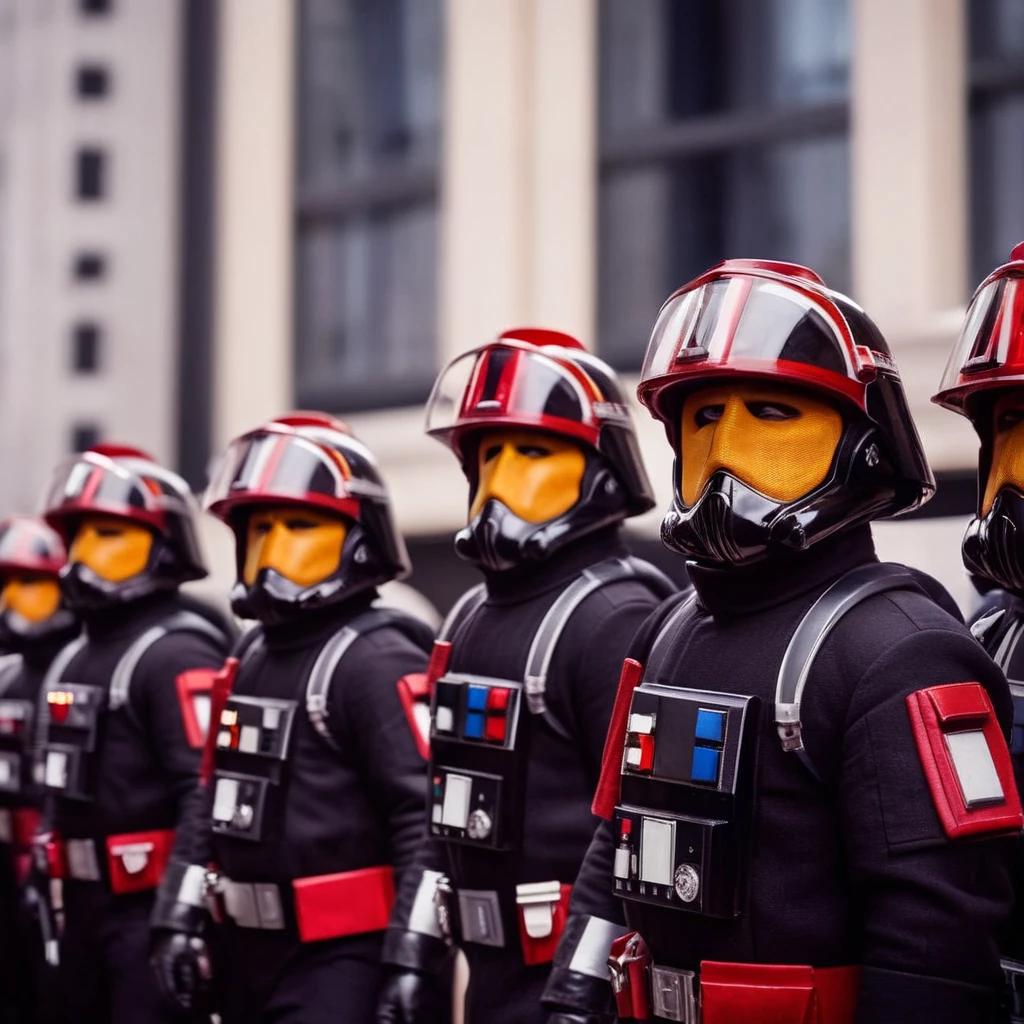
759, 318
28, 545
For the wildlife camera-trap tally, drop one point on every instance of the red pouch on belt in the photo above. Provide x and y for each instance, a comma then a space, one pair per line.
628, 959
348, 903
541, 909
777, 994
137, 860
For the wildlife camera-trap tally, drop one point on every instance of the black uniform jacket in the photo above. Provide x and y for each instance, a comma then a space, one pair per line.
146, 769
562, 772
856, 869
358, 807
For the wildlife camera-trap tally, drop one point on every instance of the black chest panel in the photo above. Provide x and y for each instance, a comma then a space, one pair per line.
253, 745
76, 717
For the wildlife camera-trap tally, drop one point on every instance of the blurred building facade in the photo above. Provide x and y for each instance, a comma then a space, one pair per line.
329, 199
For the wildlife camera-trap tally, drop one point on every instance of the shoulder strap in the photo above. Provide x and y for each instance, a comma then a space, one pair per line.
319, 683
463, 610
659, 649
825, 614
124, 670
545, 640
10, 667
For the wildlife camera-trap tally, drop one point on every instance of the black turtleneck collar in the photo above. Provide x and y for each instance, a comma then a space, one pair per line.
526, 582
120, 620
307, 627
774, 581
39, 653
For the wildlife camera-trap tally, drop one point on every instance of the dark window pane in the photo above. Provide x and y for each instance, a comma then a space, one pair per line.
90, 266
369, 86
84, 436
669, 60
90, 174
92, 82
996, 29
366, 309
662, 225
88, 7
85, 348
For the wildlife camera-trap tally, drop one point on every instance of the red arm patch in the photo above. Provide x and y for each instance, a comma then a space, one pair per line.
195, 688
965, 760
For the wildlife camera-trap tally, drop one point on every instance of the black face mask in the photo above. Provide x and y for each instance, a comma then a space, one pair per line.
993, 546
497, 540
18, 634
732, 524
86, 591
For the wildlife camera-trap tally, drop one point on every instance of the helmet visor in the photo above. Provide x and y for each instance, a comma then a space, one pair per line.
992, 336
513, 385
750, 325
269, 467
97, 485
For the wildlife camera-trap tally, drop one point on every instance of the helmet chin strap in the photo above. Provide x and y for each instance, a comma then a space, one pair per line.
993, 546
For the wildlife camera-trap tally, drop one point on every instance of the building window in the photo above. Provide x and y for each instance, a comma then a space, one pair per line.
92, 82
86, 339
90, 174
93, 7
723, 132
996, 131
369, 101
89, 266
84, 436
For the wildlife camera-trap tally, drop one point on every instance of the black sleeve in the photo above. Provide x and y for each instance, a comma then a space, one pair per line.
364, 700
931, 908
154, 697
579, 975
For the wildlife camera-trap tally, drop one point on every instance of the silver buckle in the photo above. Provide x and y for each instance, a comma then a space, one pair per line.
83, 865
443, 893
480, 917
673, 994
253, 904
537, 901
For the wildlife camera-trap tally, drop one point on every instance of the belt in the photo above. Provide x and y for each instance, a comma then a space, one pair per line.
726, 993
475, 916
316, 908
129, 862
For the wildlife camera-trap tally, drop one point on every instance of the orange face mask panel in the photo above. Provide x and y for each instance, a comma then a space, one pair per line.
114, 549
302, 545
34, 598
1007, 449
537, 475
778, 441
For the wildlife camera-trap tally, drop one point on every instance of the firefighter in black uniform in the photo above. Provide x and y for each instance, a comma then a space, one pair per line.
525, 667
125, 708
984, 381
315, 808
34, 625
807, 787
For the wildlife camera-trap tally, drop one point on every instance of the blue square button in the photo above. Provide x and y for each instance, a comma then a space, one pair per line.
705, 765
476, 698
474, 728
710, 726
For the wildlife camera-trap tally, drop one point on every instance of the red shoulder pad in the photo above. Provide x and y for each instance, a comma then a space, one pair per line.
606, 795
195, 688
965, 760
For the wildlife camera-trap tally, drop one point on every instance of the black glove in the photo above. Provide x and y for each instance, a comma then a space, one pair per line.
409, 997
181, 964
